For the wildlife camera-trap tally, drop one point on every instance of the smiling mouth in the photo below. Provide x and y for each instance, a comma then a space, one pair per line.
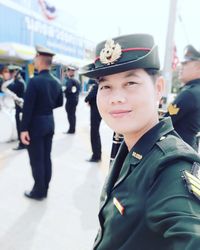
119, 113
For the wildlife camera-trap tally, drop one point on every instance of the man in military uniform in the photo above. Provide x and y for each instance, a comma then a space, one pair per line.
185, 109
116, 143
150, 200
5, 81
72, 91
95, 120
43, 94
17, 87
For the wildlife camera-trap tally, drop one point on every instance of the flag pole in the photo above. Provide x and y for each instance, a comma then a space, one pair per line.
167, 68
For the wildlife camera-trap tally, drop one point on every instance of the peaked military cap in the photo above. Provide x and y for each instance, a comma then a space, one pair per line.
13, 67
71, 67
191, 54
123, 53
44, 51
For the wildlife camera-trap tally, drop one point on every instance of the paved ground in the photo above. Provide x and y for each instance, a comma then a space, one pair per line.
67, 219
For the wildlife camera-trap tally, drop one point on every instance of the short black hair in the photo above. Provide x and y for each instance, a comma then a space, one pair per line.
3, 67
153, 73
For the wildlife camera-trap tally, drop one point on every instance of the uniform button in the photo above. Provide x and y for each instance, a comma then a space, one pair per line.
162, 138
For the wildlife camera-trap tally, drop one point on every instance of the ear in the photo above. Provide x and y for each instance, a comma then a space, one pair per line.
160, 87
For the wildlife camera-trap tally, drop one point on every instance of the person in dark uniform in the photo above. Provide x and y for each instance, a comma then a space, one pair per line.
17, 87
43, 94
72, 91
116, 143
150, 199
95, 120
185, 109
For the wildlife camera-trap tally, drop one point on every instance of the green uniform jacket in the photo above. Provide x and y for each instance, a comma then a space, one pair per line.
145, 203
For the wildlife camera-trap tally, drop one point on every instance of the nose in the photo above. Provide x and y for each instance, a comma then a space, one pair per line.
117, 96
180, 69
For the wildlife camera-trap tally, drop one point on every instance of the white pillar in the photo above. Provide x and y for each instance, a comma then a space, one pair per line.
169, 47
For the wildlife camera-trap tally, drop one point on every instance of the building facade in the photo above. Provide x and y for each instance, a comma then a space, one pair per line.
25, 23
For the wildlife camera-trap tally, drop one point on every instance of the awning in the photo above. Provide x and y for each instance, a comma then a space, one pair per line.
16, 51
66, 60
2, 52
19, 52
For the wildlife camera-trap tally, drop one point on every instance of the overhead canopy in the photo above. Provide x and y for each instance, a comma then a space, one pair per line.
15, 52
66, 60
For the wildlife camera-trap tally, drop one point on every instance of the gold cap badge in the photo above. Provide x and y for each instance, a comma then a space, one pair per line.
110, 53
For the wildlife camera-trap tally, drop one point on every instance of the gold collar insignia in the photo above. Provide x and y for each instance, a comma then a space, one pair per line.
173, 110
137, 156
110, 53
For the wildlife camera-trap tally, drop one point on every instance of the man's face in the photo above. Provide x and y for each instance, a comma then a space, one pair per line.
6, 74
128, 101
13, 73
188, 71
70, 73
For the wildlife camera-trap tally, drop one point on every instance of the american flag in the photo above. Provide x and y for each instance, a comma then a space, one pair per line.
48, 10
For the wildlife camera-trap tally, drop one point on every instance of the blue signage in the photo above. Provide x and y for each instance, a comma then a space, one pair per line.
17, 26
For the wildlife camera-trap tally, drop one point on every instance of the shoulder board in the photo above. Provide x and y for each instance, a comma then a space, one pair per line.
175, 147
192, 180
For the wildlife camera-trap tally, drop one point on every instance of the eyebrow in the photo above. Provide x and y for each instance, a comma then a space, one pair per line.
129, 74
101, 79
132, 73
